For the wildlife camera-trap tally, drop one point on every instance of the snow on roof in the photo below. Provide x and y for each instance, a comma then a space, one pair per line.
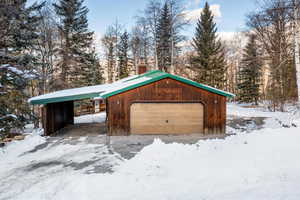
106, 90
125, 85
78, 93
71, 92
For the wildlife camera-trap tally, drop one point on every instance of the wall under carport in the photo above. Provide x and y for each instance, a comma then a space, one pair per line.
57, 115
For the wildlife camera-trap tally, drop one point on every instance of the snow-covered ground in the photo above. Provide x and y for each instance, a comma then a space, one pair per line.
92, 118
252, 117
274, 119
259, 165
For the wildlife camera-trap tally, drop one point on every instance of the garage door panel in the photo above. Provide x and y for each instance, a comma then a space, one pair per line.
166, 118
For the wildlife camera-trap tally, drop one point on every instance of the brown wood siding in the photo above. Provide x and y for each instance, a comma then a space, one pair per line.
166, 90
57, 116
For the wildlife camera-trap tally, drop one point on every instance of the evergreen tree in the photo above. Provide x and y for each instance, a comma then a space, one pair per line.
94, 73
76, 40
18, 25
209, 63
164, 39
249, 73
123, 48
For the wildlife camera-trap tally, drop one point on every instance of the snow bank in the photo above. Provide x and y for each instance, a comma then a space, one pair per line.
255, 166
18, 147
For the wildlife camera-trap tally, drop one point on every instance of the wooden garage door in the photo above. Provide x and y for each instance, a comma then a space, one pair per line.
166, 118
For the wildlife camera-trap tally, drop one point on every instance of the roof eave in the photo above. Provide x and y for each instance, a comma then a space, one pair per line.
65, 98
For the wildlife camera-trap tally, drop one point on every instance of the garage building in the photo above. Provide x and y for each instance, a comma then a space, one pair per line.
151, 103
161, 103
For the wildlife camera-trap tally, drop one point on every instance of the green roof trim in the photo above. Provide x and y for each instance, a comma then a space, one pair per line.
157, 75
65, 98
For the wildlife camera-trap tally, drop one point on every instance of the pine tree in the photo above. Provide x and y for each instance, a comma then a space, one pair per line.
209, 63
250, 73
76, 40
164, 42
18, 25
93, 76
123, 48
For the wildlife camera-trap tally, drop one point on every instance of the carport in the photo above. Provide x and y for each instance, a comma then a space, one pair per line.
57, 108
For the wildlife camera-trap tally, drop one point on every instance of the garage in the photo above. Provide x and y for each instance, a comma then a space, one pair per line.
166, 118
157, 102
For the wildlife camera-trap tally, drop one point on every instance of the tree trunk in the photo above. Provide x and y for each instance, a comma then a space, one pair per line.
297, 58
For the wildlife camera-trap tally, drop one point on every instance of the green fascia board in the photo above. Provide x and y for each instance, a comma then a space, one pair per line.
166, 75
210, 89
65, 98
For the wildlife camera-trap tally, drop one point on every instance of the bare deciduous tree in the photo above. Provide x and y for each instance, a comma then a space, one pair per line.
273, 27
108, 42
45, 48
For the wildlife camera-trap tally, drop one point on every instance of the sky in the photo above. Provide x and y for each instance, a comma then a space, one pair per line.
230, 14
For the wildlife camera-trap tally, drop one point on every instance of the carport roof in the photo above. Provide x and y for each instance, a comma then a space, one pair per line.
74, 93
107, 90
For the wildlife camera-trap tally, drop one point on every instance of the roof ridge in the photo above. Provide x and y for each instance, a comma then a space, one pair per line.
144, 74
161, 76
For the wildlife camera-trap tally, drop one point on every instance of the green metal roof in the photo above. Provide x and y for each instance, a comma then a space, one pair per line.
107, 90
152, 76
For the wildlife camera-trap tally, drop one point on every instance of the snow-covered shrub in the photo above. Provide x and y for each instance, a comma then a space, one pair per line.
14, 109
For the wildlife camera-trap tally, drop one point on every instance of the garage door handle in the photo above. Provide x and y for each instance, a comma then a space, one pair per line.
167, 121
